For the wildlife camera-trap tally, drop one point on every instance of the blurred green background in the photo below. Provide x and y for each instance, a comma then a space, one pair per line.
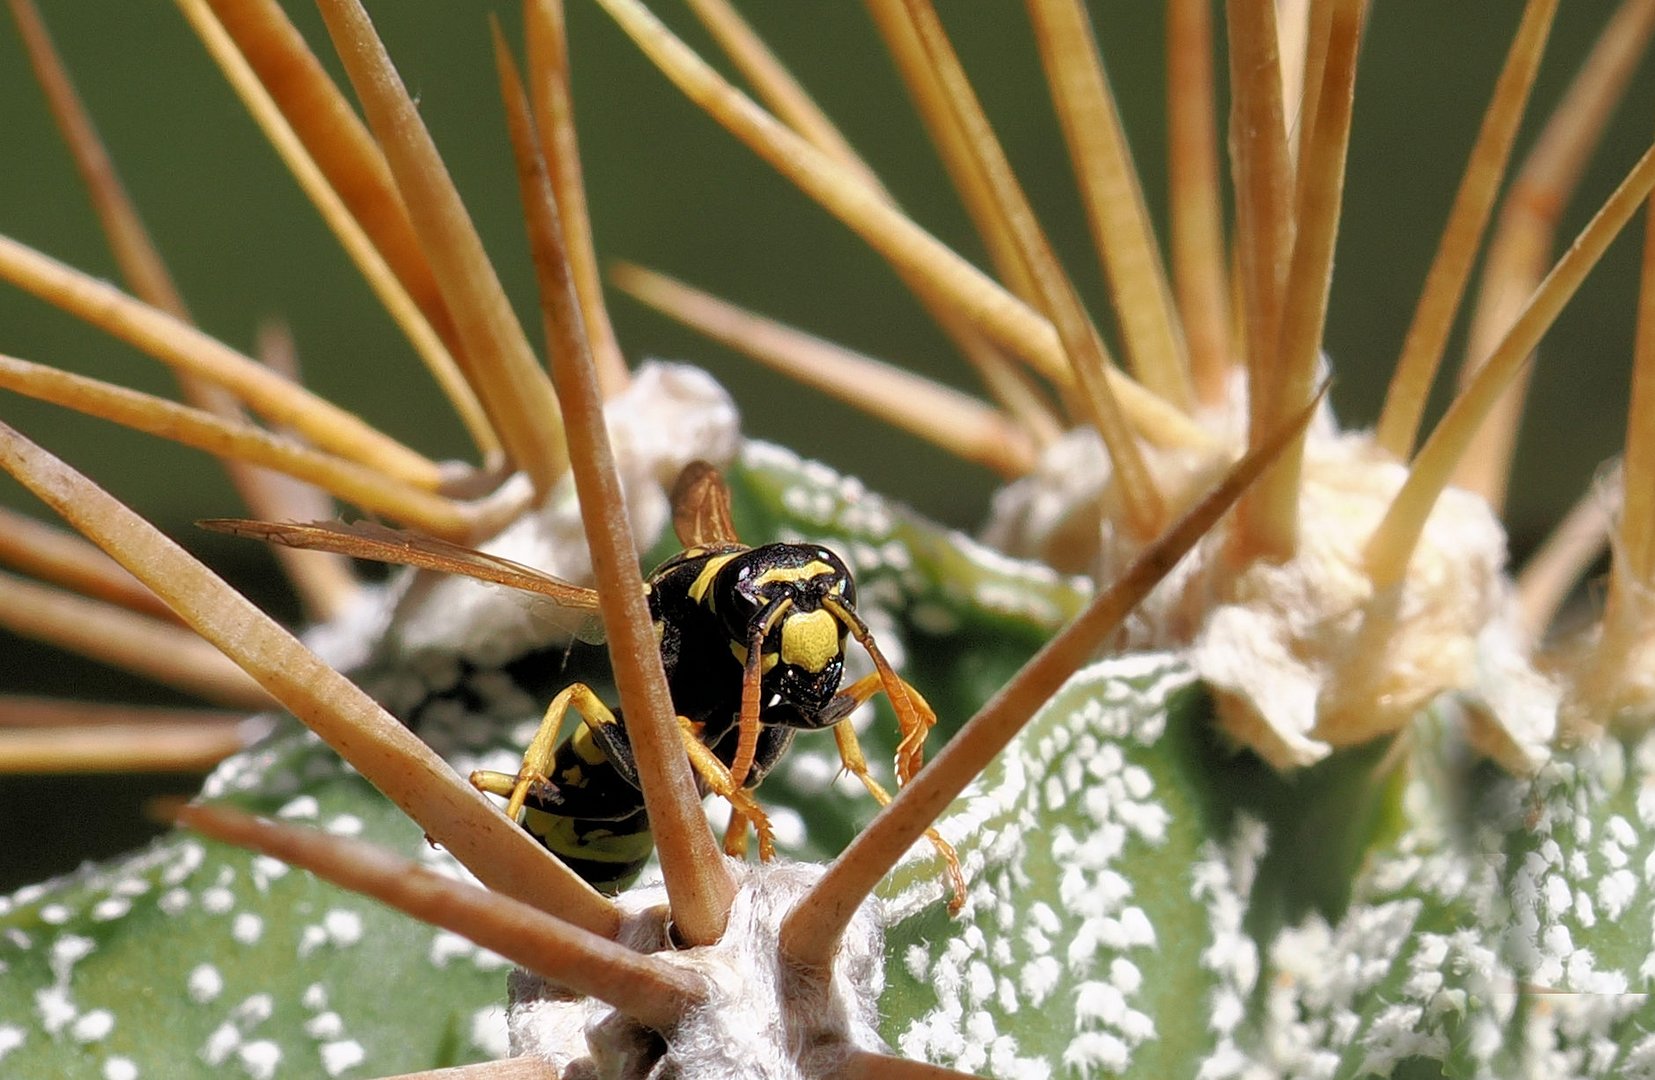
671, 190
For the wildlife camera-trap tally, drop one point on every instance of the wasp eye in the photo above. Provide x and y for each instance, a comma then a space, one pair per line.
745, 604
845, 588
740, 605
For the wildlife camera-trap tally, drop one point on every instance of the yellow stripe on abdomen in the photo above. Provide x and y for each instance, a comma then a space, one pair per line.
596, 845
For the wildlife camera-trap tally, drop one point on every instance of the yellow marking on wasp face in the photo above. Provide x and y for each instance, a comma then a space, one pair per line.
571, 777
810, 639
766, 660
704, 580
812, 569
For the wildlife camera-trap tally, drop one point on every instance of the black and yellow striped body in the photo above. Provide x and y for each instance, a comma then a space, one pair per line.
753, 643
590, 813
706, 604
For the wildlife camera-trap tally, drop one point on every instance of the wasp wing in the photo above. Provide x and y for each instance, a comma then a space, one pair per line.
378, 543
701, 507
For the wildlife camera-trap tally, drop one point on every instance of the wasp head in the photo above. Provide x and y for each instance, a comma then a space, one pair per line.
780, 588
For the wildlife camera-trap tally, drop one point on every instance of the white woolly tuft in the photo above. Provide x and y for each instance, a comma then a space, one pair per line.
1304, 656
762, 1021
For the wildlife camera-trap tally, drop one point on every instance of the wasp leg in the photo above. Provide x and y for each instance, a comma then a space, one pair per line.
716, 775
850, 753
914, 716
490, 782
735, 835
914, 723
538, 758
910, 752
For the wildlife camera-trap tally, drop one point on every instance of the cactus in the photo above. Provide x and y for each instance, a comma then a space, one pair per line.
1325, 805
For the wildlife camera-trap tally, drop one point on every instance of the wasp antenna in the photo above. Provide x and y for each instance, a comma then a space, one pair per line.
699, 885
747, 719
348, 480
1122, 231
87, 738
1269, 513
1263, 193
548, 61
811, 931
338, 214
63, 558
379, 746
1524, 238
942, 416
1200, 265
1000, 315
338, 142
645, 989
1439, 300
181, 346
1393, 541
1054, 294
160, 651
1574, 543
512, 385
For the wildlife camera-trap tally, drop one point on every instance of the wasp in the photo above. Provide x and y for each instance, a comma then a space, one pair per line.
753, 644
